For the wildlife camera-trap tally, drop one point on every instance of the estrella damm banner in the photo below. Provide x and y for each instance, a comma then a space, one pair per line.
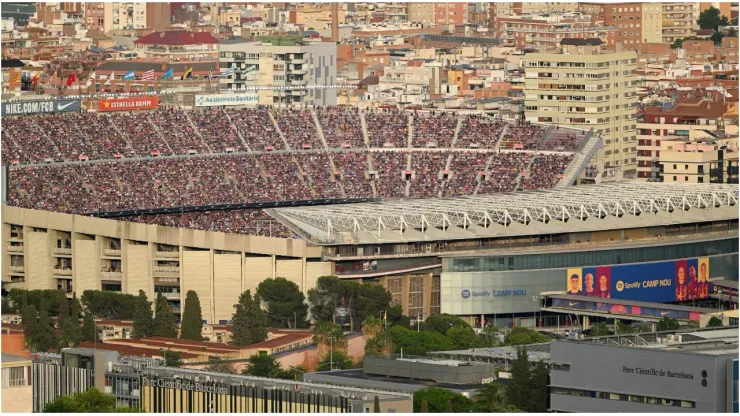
667, 281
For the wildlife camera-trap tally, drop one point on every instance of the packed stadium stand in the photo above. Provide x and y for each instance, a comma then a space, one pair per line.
100, 163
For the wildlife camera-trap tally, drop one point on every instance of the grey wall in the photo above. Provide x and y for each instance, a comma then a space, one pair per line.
523, 284
464, 374
603, 368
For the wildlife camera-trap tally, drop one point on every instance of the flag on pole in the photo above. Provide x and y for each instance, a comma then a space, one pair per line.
72, 79
129, 76
111, 77
35, 79
167, 74
188, 74
148, 75
228, 72
17, 77
90, 80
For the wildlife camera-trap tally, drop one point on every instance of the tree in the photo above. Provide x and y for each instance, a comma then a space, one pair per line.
249, 322
448, 407
732, 32
436, 399
424, 407
192, 318
89, 401
717, 38
262, 365
371, 327
109, 305
488, 398
332, 294
381, 344
143, 321
376, 405
171, 358
395, 317
443, 322
45, 338
39, 299
30, 320
539, 393
325, 298
71, 332
600, 329
668, 324
463, 337
525, 336
711, 19
62, 308
89, 329
623, 328
286, 307
714, 321
419, 343
518, 390
328, 335
165, 323
338, 360
491, 336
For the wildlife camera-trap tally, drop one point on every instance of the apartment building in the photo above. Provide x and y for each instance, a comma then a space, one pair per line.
686, 122
422, 13
699, 163
543, 32
286, 65
679, 20
135, 15
49, 250
94, 16
177, 45
635, 23
448, 13
583, 85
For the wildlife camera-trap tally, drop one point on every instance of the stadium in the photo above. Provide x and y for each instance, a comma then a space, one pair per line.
452, 213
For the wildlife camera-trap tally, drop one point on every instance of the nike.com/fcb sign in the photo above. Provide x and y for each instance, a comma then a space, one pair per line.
35, 107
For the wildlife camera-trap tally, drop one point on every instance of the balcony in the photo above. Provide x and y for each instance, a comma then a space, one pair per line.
298, 61
168, 254
14, 285
301, 71
171, 295
17, 269
63, 272
111, 275
111, 252
167, 269
64, 251
15, 249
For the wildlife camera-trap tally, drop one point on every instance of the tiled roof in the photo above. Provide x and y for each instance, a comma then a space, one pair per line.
176, 37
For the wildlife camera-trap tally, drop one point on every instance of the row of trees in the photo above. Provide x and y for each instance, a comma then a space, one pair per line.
41, 333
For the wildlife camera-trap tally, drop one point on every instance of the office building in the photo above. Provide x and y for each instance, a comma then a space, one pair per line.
283, 69
635, 23
583, 85
144, 384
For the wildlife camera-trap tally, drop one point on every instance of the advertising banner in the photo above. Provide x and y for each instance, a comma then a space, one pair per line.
616, 308
215, 100
127, 104
668, 281
36, 107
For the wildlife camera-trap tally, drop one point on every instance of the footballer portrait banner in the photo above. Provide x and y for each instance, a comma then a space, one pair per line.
127, 104
667, 281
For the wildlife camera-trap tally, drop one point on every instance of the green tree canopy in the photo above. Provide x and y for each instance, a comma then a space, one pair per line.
436, 399
464, 337
142, 314
524, 336
711, 19
89, 329
600, 329
338, 360
668, 324
538, 390
249, 322
419, 343
359, 300
376, 404
285, 303
518, 391
171, 358
89, 401
488, 398
395, 316
328, 335
381, 344
443, 322
623, 328
165, 323
109, 305
192, 318
262, 365
71, 332
714, 321
35, 298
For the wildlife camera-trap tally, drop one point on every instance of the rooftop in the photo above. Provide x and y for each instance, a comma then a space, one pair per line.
605, 206
176, 37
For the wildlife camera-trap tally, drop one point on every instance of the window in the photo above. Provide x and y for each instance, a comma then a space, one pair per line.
14, 377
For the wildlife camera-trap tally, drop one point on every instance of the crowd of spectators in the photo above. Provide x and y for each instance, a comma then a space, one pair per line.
299, 128
390, 168
387, 126
428, 174
438, 129
352, 167
523, 135
240, 221
217, 130
478, 130
341, 126
502, 172
464, 171
563, 140
545, 171
256, 128
317, 168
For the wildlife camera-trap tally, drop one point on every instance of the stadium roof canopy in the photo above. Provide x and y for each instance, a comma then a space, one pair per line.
606, 206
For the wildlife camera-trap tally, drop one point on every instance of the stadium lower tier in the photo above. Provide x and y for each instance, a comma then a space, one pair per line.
117, 185
239, 221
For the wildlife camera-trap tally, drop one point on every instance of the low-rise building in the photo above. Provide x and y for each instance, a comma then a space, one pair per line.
542, 32
17, 392
698, 162
177, 45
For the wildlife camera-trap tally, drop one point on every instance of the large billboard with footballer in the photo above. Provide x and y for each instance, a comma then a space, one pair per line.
668, 281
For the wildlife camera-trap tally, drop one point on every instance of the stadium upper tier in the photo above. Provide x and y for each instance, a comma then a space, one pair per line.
236, 156
101, 136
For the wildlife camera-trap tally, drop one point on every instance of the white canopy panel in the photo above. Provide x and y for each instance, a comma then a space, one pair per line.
615, 205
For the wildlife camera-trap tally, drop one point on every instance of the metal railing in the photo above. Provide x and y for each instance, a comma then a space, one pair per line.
15, 249
112, 252
61, 250
168, 254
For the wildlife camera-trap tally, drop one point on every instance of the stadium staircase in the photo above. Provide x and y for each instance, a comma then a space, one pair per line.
197, 131
366, 138
582, 160
410, 141
518, 180
238, 133
501, 137
408, 167
488, 166
156, 129
458, 127
332, 166
43, 133
280, 132
545, 137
